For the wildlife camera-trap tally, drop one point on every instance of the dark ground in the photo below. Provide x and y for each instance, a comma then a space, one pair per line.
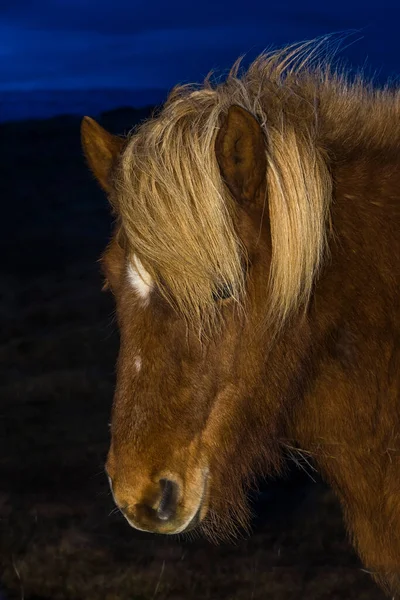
59, 538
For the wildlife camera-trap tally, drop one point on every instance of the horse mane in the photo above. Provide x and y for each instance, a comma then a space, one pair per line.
179, 217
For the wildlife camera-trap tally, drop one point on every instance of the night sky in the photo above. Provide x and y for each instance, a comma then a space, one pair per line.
142, 45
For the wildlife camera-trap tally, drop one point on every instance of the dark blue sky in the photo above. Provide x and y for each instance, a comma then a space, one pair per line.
78, 44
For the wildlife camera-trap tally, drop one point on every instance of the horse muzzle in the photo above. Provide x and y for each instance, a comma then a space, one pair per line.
167, 505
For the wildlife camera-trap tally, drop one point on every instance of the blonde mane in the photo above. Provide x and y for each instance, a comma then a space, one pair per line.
177, 213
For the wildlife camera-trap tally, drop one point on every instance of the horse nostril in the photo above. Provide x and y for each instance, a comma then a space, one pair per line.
169, 499
157, 507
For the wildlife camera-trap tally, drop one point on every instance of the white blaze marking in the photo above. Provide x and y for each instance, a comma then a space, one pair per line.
140, 278
138, 363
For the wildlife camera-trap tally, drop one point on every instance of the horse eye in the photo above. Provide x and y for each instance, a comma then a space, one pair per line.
222, 292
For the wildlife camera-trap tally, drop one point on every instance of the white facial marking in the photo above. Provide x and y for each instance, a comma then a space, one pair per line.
138, 363
140, 278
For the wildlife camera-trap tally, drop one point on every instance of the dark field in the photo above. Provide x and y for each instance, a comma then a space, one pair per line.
59, 536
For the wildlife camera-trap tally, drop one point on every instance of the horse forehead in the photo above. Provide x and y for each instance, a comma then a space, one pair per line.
139, 278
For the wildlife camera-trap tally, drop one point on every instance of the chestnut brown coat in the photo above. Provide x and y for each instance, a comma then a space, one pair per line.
255, 266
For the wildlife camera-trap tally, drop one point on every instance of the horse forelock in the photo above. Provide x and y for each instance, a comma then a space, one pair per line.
175, 211
178, 215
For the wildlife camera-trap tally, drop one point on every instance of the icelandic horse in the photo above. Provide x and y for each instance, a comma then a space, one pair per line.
255, 266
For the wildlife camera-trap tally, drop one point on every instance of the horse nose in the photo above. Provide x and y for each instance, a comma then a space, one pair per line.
160, 510
154, 509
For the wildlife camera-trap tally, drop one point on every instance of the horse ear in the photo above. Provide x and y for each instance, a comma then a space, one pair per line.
240, 150
101, 150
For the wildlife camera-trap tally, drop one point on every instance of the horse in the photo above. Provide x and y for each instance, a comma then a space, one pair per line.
255, 268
